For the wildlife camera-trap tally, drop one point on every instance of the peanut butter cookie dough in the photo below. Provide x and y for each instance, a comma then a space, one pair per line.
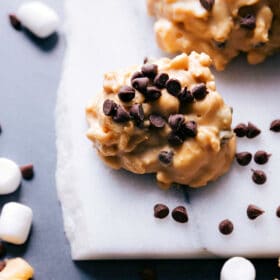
220, 28
164, 117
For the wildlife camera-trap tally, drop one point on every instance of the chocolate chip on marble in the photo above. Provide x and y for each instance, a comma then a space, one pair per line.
252, 130
179, 214
173, 87
226, 227
160, 80
137, 113
149, 70
248, 22
16, 24
174, 139
126, 93
243, 158
165, 157
175, 121
258, 176
121, 115
136, 75
157, 121
199, 91
254, 212
186, 96
3, 250
207, 4
241, 130
161, 211
2, 265
278, 212
27, 171
275, 126
109, 107
261, 157
152, 94
140, 84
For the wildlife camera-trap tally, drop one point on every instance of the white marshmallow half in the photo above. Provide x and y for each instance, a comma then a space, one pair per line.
10, 176
238, 268
40, 19
15, 223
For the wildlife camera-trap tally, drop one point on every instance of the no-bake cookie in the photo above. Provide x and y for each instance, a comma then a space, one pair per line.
220, 28
164, 117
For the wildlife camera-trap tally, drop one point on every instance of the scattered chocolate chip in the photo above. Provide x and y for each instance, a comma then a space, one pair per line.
252, 130
241, 130
160, 80
185, 96
136, 75
161, 211
248, 22
15, 22
226, 227
148, 274
243, 158
157, 121
2, 265
221, 45
275, 126
180, 214
173, 87
175, 121
145, 60
3, 250
254, 212
137, 113
140, 84
174, 139
27, 171
261, 157
278, 212
121, 115
189, 129
207, 4
149, 70
109, 107
199, 91
152, 94
126, 93
258, 177
166, 157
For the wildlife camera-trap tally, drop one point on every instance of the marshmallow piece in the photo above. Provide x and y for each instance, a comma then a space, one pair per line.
238, 268
15, 223
40, 19
10, 176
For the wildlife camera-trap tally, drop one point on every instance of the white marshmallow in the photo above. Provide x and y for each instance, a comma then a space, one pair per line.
40, 19
238, 268
10, 176
15, 223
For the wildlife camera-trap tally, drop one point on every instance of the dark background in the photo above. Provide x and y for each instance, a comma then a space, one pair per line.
30, 70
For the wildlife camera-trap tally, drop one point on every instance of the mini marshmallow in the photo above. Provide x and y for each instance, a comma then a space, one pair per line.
10, 176
238, 268
40, 19
15, 223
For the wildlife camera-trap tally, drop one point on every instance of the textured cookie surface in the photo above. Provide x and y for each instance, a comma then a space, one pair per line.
220, 28
164, 117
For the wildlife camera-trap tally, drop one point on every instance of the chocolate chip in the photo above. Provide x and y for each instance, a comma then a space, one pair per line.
252, 131
157, 121
160, 80
148, 274
161, 211
2, 265
254, 212
258, 177
140, 84
174, 139
149, 70
185, 96
121, 115
226, 227
109, 107
3, 250
152, 94
180, 214
207, 4
261, 157
248, 22
241, 130
15, 22
126, 93
275, 126
243, 158
189, 129
165, 157
221, 45
145, 60
136, 75
199, 91
175, 121
27, 171
278, 212
173, 87
137, 113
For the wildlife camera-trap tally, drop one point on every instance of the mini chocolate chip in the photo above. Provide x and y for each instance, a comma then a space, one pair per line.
137, 113
136, 75
145, 60
15, 22
173, 87
152, 94
261, 157
160, 80
254, 212
207, 4
199, 91
180, 214
248, 22
140, 84
161, 211
148, 274
278, 212
166, 157
27, 171
175, 121
2, 265
185, 96
126, 93
252, 131
241, 130
109, 107
3, 250
275, 126
243, 158
149, 70
121, 115
258, 177
226, 227
174, 139
157, 121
